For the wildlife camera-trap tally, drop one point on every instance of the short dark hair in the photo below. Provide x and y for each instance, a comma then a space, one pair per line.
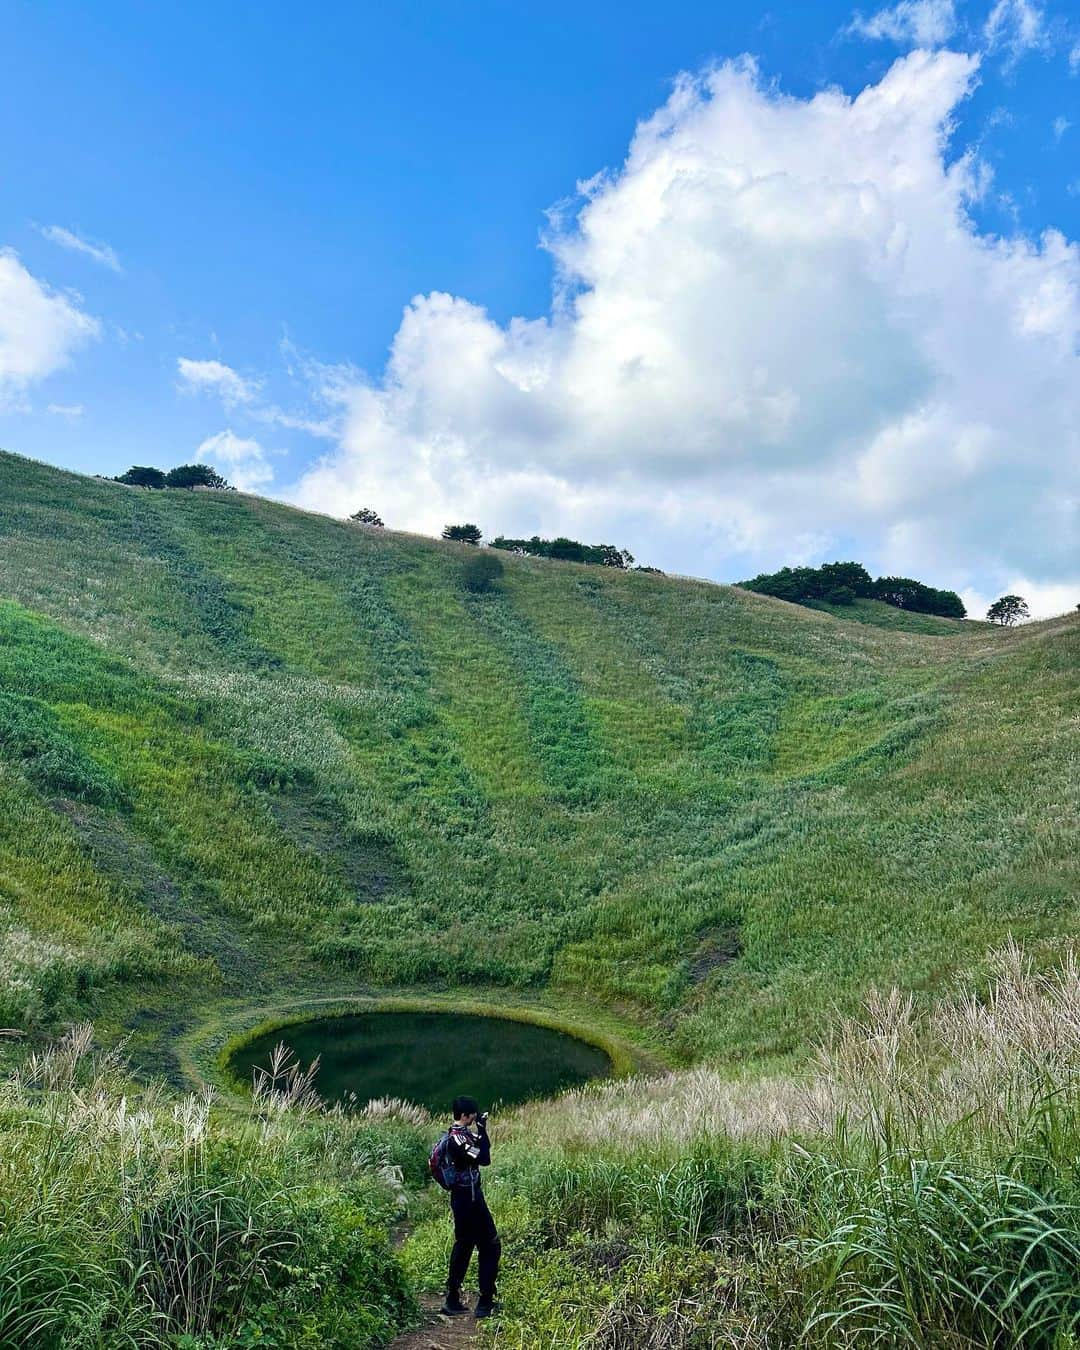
465, 1106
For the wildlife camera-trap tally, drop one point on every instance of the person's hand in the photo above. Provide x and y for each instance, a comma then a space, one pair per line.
481, 1120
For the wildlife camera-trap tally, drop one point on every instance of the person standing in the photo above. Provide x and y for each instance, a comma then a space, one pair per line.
456, 1162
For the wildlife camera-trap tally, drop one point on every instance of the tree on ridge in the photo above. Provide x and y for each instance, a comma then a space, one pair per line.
566, 550
195, 475
1007, 610
463, 534
142, 475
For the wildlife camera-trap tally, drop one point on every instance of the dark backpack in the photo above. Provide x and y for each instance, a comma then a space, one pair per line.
439, 1164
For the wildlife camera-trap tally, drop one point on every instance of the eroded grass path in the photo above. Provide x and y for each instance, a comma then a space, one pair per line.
436, 1332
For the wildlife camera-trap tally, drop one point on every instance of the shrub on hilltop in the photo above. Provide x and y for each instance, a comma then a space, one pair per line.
195, 475
183, 476
463, 534
142, 475
566, 550
906, 593
842, 583
835, 583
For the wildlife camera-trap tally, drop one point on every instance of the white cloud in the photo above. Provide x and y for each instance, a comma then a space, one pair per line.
68, 410
1017, 26
1044, 601
242, 460
924, 23
323, 428
246, 392
1074, 60
39, 329
214, 377
1061, 126
101, 253
776, 333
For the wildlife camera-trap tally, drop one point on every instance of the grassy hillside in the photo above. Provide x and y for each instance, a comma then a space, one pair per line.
246, 751
881, 615
251, 757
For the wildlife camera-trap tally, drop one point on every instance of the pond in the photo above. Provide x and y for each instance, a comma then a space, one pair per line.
431, 1057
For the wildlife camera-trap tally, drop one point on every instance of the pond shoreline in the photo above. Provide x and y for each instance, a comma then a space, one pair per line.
428, 1056
206, 1051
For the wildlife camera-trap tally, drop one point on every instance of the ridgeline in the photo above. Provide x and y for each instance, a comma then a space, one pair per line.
244, 746
251, 757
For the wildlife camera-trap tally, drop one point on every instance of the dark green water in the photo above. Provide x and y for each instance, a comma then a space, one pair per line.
430, 1058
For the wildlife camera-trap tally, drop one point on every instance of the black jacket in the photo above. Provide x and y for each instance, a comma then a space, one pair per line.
468, 1152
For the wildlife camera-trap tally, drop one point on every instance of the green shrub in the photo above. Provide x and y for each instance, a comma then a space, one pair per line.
193, 476
340, 1287
480, 574
140, 475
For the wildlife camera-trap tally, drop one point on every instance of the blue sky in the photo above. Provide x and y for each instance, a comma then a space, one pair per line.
265, 189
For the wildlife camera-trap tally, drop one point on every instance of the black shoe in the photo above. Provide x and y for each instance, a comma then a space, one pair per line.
453, 1306
486, 1308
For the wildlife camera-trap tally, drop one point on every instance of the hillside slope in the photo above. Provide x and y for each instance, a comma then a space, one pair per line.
249, 751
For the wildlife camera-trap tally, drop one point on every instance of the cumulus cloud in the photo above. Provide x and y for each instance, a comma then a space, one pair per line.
776, 335
214, 377
923, 23
40, 329
242, 460
103, 254
1044, 600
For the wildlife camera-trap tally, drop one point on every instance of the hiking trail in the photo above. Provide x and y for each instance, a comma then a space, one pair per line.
436, 1332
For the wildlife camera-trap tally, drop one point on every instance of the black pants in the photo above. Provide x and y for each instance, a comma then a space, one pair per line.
473, 1227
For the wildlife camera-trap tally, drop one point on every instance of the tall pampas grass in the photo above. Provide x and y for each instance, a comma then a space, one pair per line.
917, 1185
130, 1216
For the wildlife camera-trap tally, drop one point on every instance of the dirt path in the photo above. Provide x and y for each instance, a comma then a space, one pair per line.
435, 1332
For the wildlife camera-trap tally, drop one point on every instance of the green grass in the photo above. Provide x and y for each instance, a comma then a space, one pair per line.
138, 1220
255, 761
918, 1188
881, 615
325, 760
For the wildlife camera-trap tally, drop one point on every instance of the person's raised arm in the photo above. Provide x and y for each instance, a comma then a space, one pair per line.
484, 1159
